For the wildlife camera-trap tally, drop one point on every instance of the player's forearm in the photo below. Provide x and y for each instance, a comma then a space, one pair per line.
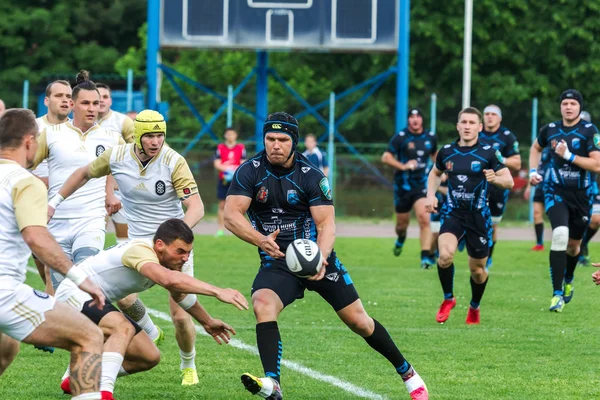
199, 313
504, 181
513, 163
535, 156
443, 190
43, 245
433, 183
183, 283
587, 163
77, 179
194, 213
388, 159
237, 224
326, 237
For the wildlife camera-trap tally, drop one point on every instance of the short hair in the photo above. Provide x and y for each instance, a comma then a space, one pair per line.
83, 83
230, 128
104, 86
310, 135
15, 124
49, 87
470, 110
173, 229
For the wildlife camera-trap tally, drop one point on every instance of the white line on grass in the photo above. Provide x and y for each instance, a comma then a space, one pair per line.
294, 366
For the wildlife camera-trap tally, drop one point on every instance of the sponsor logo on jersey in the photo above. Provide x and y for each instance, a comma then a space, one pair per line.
516, 146
99, 150
486, 147
292, 196
476, 166
496, 146
141, 187
160, 188
500, 157
420, 153
334, 276
576, 143
305, 169
325, 188
186, 191
462, 178
256, 163
482, 240
277, 211
449, 165
262, 195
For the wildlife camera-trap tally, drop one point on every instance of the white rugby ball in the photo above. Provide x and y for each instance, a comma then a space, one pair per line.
304, 258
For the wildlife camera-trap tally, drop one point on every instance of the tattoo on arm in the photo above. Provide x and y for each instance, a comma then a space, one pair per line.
86, 369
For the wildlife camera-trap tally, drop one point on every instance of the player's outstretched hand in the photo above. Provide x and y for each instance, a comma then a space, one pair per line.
269, 246
321, 274
97, 296
596, 275
490, 175
431, 204
219, 330
232, 296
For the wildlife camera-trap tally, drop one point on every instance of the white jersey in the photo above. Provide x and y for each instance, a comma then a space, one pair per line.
151, 194
68, 148
115, 121
116, 270
42, 169
23, 203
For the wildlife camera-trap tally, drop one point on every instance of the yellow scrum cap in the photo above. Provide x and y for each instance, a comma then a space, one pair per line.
148, 121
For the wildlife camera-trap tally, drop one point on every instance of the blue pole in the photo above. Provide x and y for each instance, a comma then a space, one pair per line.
262, 84
403, 64
534, 128
331, 145
26, 93
152, 48
229, 105
129, 89
433, 113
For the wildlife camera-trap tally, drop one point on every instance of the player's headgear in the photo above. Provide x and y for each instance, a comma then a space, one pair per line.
586, 116
572, 94
282, 122
492, 108
415, 111
148, 121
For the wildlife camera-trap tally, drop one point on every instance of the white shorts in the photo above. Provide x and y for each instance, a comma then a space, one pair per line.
68, 293
22, 310
74, 234
119, 217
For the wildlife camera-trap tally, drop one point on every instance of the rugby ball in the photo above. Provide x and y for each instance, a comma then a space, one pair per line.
304, 258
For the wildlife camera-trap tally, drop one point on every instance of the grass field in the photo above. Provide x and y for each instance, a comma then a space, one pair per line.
520, 350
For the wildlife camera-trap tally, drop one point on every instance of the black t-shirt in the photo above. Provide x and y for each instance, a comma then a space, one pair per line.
467, 186
281, 198
406, 146
582, 139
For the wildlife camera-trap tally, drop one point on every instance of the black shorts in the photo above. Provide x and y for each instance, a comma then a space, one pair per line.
222, 190
473, 226
405, 199
96, 315
538, 195
497, 200
336, 287
571, 208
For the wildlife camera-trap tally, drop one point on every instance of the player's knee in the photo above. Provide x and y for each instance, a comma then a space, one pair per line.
89, 338
180, 318
445, 259
560, 238
264, 307
573, 248
151, 358
361, 324
595, 221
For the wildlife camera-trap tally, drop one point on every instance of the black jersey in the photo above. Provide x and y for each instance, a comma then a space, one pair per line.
467, 186
582, 139
506, 143
406, 146
281, 198
544, 161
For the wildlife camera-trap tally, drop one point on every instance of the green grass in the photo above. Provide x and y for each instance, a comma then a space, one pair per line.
520, 350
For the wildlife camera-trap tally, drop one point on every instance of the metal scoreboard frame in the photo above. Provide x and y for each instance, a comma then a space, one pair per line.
310, 25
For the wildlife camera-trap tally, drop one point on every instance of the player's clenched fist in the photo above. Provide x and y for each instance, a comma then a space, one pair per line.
431, 204
490, 175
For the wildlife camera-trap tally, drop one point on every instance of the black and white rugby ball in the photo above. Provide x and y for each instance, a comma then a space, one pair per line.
304, 258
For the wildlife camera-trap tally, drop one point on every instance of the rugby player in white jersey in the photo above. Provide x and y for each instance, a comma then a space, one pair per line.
155, 181
79, 226
134, 267
28, 315
115, 121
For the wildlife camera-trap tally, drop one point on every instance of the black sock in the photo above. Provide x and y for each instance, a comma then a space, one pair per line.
539, 233
270, 348
447, 280
425, 254
401, 239
558, 263
589, 234
570, 270
477, 290
492, 249
381, 341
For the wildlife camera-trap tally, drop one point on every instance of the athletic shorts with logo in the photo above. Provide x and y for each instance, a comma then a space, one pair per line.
405, 199
475, 227
571, 208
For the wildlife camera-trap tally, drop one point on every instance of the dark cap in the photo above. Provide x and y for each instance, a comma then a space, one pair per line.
415, 111
572, 94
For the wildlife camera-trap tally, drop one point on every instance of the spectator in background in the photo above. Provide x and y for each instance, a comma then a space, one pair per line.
131, 114
2, 107
229, 156
314, 154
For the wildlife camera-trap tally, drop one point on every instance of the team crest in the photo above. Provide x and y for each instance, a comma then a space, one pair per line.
427, 144
597, 140
449, 165
325, 188
411, 146
262, 195
475, 166
292, 197
99, 150
576, 143
496, 146
41, 295
553, 143
160, 188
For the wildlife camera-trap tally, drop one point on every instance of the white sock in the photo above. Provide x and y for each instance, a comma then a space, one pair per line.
88, 396
111, 363
122, 240
66, 374
122, 372
414, 383
267, 388
148, 326
188, 360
